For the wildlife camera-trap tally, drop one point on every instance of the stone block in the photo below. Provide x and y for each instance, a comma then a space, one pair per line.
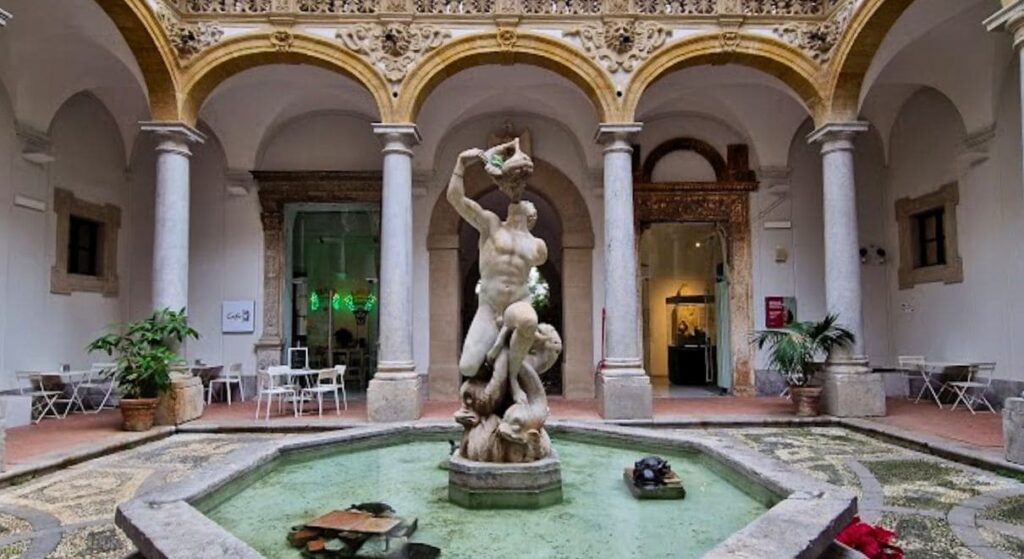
625, 397
852, 390
486, 485
182, 403
1013, 429
389, 400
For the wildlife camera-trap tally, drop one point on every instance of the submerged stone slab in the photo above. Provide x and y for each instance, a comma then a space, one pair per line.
672, 489
485, 485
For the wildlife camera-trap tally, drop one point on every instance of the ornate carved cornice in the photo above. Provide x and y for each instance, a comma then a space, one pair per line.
819, 39
188, 39
393, 47
620, 44
672, 203
277, 188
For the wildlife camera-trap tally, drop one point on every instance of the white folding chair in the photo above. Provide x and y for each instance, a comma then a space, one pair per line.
267, 386
99, 379
327, 382
233, 377
913, 366
44, 399
972, 391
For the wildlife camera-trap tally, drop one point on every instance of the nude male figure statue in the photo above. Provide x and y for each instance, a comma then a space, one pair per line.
508, 251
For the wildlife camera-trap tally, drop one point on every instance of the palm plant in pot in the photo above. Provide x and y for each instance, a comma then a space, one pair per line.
144, 353
795, 350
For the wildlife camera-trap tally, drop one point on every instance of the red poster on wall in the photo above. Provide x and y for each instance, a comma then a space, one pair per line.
774, 312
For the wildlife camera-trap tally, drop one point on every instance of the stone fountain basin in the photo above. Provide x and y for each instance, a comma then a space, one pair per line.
802, 523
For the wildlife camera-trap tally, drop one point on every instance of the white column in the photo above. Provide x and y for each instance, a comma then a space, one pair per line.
624, 391
1011, 19
171, 212
842, 241
394, 392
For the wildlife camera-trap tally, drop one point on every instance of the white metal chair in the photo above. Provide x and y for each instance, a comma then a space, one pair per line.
915, 365
99, 379
233, 377
328, 381
972, 391
44, 399
267, 386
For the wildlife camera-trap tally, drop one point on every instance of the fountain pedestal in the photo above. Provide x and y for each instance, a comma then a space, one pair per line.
486, 485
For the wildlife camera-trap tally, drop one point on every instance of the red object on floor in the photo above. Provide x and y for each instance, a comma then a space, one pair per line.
873, 541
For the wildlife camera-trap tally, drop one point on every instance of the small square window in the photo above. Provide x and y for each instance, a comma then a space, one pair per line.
929, 238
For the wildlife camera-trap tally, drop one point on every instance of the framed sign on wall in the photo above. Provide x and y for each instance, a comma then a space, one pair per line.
779, 311
238, 317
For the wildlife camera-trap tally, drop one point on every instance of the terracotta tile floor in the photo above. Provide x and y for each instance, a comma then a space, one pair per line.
53, 437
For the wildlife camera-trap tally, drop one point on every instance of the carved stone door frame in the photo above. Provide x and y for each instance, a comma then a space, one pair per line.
276, 190
726, 203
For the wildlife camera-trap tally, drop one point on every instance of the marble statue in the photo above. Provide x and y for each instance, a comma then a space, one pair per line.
506, 349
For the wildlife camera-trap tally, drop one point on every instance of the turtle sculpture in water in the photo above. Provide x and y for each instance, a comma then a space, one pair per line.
651, 472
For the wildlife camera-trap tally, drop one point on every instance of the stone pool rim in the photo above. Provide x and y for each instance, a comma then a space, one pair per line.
165, 524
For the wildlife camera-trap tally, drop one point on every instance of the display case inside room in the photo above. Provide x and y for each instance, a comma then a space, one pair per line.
334, 253
683, 298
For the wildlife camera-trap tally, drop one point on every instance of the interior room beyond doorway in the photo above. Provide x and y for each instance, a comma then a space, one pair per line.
685, 306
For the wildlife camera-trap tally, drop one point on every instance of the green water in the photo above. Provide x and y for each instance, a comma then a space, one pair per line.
598, 519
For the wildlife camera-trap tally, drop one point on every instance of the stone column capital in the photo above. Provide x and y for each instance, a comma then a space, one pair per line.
836, 136
615, 136
1010, 18
5, 16
174, 137
397, 138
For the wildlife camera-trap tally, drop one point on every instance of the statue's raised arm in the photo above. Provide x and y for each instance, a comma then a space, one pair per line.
482, 220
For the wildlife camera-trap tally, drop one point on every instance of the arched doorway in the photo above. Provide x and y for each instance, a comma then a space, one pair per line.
569, 273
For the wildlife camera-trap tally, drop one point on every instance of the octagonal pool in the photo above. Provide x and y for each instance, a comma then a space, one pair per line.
598, 518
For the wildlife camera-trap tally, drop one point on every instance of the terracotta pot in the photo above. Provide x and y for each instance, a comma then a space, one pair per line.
138, 414
806, 399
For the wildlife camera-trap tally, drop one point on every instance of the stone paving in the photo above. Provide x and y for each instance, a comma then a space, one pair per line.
70, 513
938, 508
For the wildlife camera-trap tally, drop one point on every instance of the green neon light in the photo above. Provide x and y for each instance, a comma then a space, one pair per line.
336, 301
314, 301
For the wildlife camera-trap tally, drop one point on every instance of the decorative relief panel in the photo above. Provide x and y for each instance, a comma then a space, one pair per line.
393, 47
818, 39
188, 38
229, 6
621, 44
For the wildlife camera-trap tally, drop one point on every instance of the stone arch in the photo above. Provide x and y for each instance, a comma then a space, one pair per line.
505, 47
853, 55
755, 51
251, 50
153, 53
700, 147
577, 294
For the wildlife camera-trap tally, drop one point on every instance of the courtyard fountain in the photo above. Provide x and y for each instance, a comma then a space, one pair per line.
505, 458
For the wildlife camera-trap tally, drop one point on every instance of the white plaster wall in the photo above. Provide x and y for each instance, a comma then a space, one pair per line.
980, 318
41, 330
327, 141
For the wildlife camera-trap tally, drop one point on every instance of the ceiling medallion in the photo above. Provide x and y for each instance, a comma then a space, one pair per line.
620, 44
393, 47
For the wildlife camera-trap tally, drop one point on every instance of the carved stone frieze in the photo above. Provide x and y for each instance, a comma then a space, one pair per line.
229, 6
282, 40
188, 39
507, 38
818, 39
620, 44
393, 47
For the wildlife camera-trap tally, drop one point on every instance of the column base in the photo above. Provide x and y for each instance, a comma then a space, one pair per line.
393, 399
1013, 429
851, 390
625, 395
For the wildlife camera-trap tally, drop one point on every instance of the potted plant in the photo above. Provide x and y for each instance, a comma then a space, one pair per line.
144, 351
794, 350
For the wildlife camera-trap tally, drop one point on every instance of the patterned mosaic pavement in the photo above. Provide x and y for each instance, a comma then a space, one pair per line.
70, 513
938, 508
